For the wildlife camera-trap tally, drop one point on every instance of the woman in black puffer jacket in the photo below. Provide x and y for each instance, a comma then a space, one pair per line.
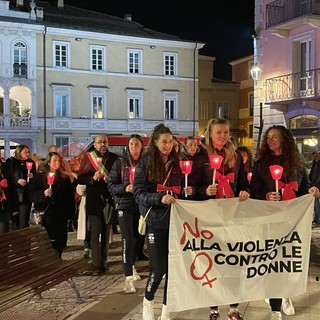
155, 173
120, 185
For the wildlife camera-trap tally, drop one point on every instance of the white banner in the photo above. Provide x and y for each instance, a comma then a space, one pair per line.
225, 251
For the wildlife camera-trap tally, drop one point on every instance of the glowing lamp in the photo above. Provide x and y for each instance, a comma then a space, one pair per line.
186, 167
215, 163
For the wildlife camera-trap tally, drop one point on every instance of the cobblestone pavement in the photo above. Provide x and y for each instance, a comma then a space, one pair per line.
59, 302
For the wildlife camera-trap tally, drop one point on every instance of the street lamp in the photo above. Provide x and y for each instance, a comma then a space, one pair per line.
255, 72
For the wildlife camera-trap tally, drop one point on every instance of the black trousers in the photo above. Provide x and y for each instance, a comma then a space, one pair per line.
158, 249
99, 241
126, 223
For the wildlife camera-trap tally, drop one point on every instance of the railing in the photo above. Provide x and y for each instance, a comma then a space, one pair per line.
20, 122
280, 11
293, 86
20, 70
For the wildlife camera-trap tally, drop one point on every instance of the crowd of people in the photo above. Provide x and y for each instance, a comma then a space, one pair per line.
103, 186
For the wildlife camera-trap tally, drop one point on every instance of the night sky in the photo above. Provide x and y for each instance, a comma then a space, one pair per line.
224, 25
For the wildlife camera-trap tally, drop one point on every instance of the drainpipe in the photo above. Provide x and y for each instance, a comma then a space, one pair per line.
194, 91
44, 87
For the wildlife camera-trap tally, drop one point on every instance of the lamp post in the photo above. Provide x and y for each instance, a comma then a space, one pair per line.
256, 72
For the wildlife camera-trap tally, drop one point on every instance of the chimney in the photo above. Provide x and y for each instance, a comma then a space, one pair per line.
19, 3
39, 13
60, 4
128, 16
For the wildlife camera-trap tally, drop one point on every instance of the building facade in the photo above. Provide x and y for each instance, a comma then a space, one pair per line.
217, 98
287, 50
68, 74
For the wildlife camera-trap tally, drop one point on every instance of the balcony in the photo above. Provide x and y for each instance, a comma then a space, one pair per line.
20, 71
300, 85
15, 122
285, 11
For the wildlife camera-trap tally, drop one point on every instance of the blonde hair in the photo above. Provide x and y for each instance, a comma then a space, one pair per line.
230, 149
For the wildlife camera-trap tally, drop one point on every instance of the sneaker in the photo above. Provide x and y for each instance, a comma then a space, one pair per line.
276, 315
147, 310
234, 315
164, 313
287, 307
136, 276
129, 286
86, 254
214, 315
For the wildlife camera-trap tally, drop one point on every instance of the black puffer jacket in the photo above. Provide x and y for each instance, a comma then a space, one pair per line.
262, 181
240, 176
146, 195
118, 181
195, 178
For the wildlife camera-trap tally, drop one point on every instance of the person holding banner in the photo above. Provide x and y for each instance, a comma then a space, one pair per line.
94, 173
278, 148
121, 187
229, 181
157, 184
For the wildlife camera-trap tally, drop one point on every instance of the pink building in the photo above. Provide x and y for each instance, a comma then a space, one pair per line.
287, 49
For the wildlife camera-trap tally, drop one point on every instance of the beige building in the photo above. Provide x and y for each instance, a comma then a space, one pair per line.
68, 74
241, 74
217, 98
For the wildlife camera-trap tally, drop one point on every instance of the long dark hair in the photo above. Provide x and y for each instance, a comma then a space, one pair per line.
131, 160
48, 158
291, 159
156, 169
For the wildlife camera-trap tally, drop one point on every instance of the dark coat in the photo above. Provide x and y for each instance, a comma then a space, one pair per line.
262, 181
195, 178
15, 169
314, 175
240, 176
118, 181
60, 206
146, 195
97, 192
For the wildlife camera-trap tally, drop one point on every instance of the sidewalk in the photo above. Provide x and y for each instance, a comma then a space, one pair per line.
104, 297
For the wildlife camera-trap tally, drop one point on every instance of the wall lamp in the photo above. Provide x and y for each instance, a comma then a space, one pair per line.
78, 39
153, 47
255, 72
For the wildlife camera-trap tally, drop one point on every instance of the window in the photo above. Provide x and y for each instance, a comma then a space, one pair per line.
221, 109
62, 142
61, 54
61, 100
170, 64
135, 103
97, 58
20, 60
170, 105
134, 61
251, 104
98, 98
304, 121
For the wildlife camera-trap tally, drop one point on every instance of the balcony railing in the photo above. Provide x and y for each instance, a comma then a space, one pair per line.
20, 70
293, 86
280, 11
